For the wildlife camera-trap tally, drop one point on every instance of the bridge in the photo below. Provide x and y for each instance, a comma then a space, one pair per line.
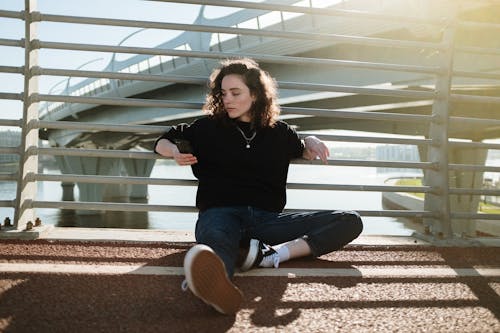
352, 65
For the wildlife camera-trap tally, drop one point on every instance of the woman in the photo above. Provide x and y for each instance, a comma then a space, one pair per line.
240, 156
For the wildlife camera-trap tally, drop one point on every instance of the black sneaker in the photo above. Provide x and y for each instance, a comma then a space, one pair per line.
260, 255
206, 277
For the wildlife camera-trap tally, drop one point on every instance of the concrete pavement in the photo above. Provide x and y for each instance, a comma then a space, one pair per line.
402, 285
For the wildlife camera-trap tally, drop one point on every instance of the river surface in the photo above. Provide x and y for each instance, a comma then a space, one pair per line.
181, 195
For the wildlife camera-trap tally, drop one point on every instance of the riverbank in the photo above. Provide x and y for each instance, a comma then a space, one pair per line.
408, 201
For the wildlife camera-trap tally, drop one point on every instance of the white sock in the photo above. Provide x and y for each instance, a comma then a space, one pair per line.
283, 253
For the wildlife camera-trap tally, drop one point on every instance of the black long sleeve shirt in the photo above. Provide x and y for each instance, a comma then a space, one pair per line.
229, 173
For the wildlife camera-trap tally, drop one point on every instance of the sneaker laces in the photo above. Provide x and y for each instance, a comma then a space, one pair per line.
270, 257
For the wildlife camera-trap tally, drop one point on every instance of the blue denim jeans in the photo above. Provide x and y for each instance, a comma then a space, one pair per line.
225, 228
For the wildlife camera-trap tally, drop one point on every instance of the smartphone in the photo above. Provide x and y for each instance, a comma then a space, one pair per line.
184, 146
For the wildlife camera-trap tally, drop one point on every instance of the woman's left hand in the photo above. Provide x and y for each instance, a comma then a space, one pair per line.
314, 148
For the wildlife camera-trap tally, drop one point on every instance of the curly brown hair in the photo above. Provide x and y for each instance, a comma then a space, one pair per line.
264, 111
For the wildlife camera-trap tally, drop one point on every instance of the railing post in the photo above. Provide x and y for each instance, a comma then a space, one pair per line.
26, 188
437, 153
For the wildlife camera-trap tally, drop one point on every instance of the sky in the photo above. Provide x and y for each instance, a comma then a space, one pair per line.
47, 31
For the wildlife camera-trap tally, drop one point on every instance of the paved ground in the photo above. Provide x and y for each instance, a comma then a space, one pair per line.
102, 286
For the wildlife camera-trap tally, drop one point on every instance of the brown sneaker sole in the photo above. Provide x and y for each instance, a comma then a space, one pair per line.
206, 277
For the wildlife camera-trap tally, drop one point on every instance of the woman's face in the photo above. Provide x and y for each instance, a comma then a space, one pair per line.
236, 97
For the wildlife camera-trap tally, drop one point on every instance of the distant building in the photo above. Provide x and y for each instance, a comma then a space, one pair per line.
397, 153
9, 139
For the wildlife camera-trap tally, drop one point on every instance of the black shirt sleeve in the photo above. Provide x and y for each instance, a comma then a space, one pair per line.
295, 144
181, 131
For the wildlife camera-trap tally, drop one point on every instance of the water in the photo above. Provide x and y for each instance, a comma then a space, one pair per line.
181, 195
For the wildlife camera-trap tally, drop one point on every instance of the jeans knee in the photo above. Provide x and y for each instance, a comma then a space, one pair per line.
355, 223
359, 224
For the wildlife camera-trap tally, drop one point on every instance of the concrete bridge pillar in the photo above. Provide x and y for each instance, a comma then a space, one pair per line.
465, 203
138, 168
466, 179
68, 191
116, 192
90, 192
68, 188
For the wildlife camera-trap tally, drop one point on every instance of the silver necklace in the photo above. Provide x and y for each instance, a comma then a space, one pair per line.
248, 140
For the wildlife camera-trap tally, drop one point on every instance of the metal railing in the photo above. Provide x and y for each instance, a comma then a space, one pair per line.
439, 214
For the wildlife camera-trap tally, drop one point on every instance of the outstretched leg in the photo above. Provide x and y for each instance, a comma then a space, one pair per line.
206, 277
209, 265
